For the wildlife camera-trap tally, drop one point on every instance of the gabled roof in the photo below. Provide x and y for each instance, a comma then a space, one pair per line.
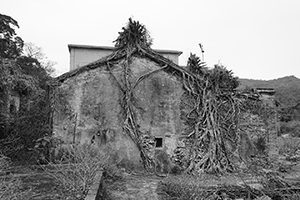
122, 53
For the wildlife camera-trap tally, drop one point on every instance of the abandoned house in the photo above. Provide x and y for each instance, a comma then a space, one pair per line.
130, 101
88, 99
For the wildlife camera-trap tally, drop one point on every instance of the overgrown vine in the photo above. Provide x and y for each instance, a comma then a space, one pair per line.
133, 36
212, 118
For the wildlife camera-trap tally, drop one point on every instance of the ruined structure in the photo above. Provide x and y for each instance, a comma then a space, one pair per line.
137, 104
259, 125
126, 102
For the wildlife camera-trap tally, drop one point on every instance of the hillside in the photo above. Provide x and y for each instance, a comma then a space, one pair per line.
287, 88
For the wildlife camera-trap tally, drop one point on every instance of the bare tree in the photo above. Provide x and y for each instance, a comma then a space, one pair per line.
33, 51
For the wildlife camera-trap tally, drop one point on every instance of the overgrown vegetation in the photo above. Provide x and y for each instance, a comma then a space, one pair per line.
212, 117
288, 97
211, 114
204, 187
74, 172
287, 88
290, 120
211, 93
10, 44
23, 94
11, 187
132, 35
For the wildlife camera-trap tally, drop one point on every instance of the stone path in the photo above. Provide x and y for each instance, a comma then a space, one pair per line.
134, 187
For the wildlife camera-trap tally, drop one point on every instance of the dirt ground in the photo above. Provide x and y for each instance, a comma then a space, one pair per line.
134, 186
141, 186
42, 186
144, 186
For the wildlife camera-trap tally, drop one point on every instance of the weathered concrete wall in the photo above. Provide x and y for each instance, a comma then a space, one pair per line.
258, 131
273, 127
88, 108
158, 103
253, 136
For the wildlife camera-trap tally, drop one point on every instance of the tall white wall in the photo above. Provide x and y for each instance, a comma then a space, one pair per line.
81, 55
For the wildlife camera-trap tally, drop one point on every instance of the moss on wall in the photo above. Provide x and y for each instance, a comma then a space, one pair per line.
95, 98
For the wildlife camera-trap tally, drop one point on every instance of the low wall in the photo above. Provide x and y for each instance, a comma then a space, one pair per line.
96, 192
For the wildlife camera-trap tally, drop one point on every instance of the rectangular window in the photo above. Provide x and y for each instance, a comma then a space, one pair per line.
158, 142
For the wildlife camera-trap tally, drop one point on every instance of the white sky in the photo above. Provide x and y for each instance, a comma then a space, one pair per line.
258, 39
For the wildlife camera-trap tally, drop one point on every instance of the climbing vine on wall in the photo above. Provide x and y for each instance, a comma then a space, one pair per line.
134, 38
212, 118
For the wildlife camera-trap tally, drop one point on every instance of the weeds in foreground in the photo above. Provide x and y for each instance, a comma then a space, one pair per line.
185, 187
11, 188
75, 171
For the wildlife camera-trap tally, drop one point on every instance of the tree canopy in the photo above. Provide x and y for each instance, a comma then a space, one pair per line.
10, 44
132, 35
25, 74
33, 52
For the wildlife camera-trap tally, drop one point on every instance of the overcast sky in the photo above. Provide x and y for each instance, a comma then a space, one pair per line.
258, 39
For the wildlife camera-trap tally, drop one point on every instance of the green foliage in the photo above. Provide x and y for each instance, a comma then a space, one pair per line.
10, 44
132, 35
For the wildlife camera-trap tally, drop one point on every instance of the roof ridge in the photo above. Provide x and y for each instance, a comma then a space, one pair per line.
118, 54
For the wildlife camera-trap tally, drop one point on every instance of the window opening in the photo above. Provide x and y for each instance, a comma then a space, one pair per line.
158, 142
12, 108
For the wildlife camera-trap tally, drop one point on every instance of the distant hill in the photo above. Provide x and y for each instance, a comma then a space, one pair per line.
287, 88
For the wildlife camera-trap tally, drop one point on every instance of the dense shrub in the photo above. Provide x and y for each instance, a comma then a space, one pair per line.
76, 169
